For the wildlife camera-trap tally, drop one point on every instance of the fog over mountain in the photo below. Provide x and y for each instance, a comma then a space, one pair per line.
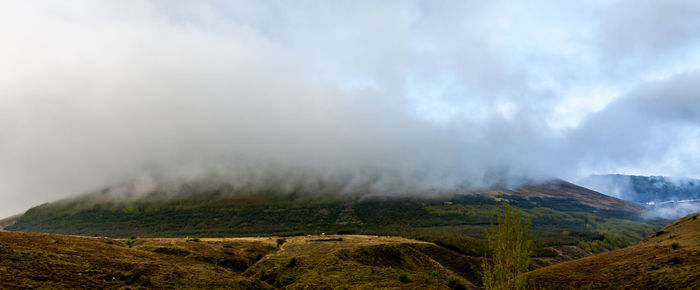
668, 197
395, 96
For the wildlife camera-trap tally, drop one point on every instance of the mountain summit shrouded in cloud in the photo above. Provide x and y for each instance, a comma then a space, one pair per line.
413, 95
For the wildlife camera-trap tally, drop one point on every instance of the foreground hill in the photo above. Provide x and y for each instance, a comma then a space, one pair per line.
56, 261
561, 213
669, 259
29, 260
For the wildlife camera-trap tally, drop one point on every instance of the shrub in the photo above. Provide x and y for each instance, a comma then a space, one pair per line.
675, 245
403, 277
280, 242
653, 266
292, 262
456, 283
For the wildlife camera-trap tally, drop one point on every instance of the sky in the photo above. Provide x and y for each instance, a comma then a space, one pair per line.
383, 95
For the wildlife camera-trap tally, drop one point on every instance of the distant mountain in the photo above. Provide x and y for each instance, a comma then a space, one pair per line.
643, 189
457, 220
665, 196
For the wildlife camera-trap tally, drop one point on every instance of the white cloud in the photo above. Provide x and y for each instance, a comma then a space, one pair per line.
398, 94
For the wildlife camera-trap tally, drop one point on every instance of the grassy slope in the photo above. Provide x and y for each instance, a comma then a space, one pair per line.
562, 214
323, 261
654, 263
56, 261
360, 261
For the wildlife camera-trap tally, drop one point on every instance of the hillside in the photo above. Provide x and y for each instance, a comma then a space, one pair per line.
561, 214
6, 222
669, 259
56, 261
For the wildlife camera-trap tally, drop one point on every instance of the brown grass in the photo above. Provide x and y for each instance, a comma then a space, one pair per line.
55, 261
349, 261
651, 264
355, 261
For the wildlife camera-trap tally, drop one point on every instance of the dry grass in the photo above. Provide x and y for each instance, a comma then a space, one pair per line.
328, 261
651, 264
332, 261
55, 261
354, 261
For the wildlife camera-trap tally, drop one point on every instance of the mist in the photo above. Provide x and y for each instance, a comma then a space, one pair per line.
391, 97
664, 197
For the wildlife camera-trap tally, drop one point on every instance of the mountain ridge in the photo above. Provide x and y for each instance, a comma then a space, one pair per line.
456, 220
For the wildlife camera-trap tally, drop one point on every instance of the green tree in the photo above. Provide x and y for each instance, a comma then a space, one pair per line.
509, 248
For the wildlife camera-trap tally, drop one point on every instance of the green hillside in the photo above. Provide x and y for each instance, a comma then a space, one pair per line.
561, 214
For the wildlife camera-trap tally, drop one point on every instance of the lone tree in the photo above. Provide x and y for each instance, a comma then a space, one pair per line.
509, 249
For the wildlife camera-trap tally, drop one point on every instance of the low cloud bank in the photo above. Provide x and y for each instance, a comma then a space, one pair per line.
379, 97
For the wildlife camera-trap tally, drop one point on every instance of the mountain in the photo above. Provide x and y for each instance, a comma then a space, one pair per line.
561, 213
668, 259
664, 196
9, 221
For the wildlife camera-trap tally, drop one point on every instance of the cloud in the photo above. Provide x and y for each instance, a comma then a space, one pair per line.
412, 96
639, 128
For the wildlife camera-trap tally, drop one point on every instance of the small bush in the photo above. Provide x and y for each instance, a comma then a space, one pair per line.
653, 266
280, 242
675, 245
456, 283
292, 262
403, 277
193, 240
434, 273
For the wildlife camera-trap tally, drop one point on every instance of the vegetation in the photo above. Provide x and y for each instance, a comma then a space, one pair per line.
456, 283
329, 261
510, 250
292, 262
457, 222
650, 264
